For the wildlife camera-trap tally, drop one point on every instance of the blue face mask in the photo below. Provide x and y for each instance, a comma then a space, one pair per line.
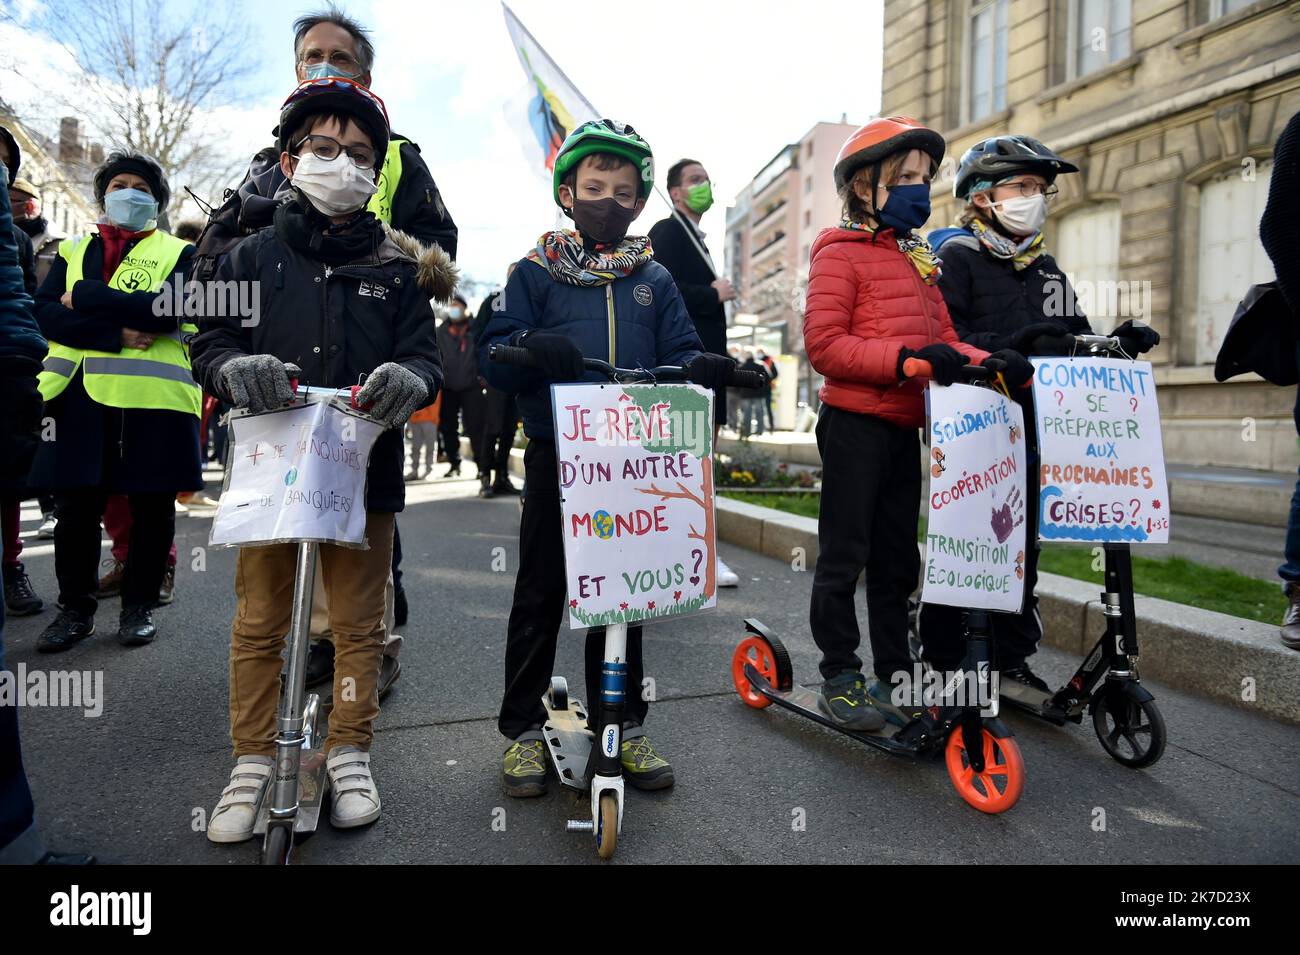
907, 207
130, 209
320, 71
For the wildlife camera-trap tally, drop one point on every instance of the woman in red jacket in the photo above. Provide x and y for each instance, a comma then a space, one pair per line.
872, 302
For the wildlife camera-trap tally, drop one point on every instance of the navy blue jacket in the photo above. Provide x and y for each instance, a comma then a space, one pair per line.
651, 327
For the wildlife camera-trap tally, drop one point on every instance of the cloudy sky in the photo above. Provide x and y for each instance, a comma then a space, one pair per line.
728, 83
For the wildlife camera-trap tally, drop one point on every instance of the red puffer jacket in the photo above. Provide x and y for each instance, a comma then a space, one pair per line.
866, 302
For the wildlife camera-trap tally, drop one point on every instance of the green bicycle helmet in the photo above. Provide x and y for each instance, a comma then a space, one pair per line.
604, 136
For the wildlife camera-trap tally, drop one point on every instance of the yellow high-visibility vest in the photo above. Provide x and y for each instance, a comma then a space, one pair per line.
157, 377
390, 174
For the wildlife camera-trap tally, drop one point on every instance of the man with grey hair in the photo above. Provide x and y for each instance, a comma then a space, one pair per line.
331, 44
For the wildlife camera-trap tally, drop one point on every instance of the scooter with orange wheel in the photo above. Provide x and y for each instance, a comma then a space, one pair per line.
981, 755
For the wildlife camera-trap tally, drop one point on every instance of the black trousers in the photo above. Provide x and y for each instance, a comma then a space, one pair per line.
871, 494
500, 419
1015, 635
538, 609
470, 402
77, 551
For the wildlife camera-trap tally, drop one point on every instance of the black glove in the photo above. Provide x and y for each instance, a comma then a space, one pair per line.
1136, 337
711, 371
1014, 366
557, 356
945, 361
1041, 338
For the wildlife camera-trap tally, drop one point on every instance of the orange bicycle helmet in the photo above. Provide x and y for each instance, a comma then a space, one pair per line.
881, 137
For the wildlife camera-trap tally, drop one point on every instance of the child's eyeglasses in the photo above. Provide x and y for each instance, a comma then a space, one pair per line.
324, 147
1027, 188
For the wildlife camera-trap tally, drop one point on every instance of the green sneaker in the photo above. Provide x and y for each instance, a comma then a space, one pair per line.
844, 699
880, 694
643, 767
524, 770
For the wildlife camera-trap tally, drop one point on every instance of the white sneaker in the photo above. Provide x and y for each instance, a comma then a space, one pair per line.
356, 800
726, 576
46, 530
236, 812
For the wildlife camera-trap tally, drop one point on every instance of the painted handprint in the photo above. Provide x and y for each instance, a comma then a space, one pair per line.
1009, 516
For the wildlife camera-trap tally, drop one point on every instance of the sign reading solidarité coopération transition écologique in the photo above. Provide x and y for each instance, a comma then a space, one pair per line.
1102, 467
636, 487
975, 529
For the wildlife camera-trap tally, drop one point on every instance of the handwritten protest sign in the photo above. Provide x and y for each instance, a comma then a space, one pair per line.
975, 534
296, 474
636, 480
1102, 470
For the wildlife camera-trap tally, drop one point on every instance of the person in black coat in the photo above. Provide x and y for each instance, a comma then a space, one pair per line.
131, 446
1279, 231
679, 247
1004, 290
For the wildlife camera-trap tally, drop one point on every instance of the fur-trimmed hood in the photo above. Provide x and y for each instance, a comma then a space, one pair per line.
435, 272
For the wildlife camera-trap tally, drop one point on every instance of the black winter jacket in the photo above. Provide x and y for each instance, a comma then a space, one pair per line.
990, 300
675, 251
336, 324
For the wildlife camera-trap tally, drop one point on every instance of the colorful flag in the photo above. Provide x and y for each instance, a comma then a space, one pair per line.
552, 106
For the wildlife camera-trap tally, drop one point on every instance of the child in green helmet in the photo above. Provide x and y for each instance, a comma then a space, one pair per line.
595, 292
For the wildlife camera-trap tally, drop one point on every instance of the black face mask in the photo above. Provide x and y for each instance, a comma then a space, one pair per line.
603, 221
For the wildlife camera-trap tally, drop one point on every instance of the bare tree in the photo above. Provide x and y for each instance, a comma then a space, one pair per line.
149, 80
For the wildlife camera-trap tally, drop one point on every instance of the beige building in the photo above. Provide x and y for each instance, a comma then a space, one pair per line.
60, 170
1171, 109
770, 231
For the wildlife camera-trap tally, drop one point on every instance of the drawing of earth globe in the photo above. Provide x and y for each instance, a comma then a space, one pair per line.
604, 524
290, 476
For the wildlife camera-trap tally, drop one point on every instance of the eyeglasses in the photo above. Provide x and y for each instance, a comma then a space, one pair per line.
324, 147
1029, 187
343, 61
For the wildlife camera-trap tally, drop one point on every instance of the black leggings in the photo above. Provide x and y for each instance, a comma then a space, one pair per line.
77, 546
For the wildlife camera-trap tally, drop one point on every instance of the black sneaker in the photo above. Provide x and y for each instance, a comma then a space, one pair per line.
881, 694
523, 770
1020, 673
67, 629
400, 610
20, 599
486, 490
844, 699
503, 486
320, 663
135, 627
643, 767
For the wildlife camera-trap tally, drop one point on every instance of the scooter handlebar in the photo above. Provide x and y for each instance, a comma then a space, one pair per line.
524, 358
920, 368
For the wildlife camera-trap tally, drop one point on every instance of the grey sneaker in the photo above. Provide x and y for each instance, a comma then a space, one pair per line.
1290, 633
844, 699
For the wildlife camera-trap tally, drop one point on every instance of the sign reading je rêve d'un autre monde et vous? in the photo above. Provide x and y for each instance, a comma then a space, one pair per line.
636, 487
1102, 464
296, 474
975, 531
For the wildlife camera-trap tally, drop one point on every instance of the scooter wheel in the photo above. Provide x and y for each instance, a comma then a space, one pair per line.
607, 827
276, 845
770, 659
559, 693
1132, 733
998, 787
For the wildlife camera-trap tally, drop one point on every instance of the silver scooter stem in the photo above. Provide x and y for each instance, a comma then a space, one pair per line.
289, 740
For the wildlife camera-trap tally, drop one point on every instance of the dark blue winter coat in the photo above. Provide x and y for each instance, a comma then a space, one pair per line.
651, 327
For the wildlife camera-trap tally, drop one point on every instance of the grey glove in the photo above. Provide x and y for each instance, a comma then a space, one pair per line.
392, 394
256, 382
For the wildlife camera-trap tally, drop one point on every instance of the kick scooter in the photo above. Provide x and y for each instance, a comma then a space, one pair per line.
1124, 713
291, 809
981, 755
569, 730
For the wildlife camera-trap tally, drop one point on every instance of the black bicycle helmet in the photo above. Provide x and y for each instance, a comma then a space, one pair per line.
989, 162
146, 167
339, 95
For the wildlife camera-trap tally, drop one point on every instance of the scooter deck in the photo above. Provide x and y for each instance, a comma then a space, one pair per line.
568, 741
802, 700
1037, 703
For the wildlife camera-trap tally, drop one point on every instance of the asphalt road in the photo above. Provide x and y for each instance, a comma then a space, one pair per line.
129, 784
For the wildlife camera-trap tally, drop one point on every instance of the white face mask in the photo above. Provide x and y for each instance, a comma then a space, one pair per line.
1022, 215
336, 187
